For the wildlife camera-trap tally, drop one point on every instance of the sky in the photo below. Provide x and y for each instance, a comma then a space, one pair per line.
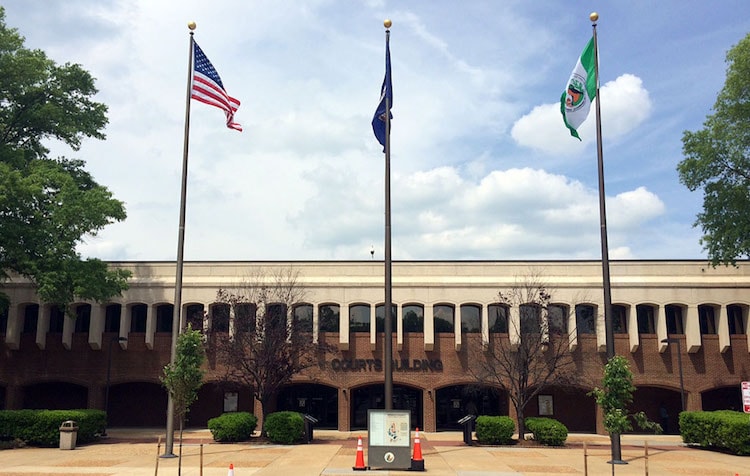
482, 166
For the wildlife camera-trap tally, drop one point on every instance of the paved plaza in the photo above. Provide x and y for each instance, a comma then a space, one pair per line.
136, 452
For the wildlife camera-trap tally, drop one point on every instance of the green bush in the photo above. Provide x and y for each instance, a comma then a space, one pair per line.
42, 427
725, 429
495, 430
547, 431
235, 426
285, 427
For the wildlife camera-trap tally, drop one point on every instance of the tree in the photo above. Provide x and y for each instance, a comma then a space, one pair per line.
534, 355
48, 206
717, 159
614, 396
268, 342
184, 377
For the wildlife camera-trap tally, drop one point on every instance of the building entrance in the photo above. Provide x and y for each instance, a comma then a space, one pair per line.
373, 397
320, 401
454, 403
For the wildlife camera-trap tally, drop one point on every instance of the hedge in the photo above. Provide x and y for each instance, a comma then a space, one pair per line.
235, 426
285, 427
547, 431
724, 429
495, 430
42, 427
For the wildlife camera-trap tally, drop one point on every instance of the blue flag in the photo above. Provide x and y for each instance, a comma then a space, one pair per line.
378, 120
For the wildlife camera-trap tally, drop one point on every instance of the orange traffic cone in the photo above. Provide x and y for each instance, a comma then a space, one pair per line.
359, 463
417, 463
231, 470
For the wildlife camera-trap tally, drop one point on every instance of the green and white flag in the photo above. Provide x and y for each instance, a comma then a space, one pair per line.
576, 100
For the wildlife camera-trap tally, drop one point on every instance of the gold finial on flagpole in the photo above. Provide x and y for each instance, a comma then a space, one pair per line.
191, 25
594, 17
387, 23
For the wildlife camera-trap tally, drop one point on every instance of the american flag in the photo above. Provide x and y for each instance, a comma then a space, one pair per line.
208, 88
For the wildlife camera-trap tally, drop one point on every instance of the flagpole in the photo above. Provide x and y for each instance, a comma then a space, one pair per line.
388, 337
176, 315
608, 328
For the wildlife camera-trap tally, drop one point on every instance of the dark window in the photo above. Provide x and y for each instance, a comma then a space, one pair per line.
413, 315
303, 317
557, 317
164, 318
380, 318
471, 320
30, 319
220, 318
444, 318
706, 319
276, 316
359, 318
245, 316
736, 319
531, 317
328, 318
56, 320
4, 321
195, 316
497, 315
619, 319
585, 319
112, 315
645, 316
138, 318
83, 318
675, 321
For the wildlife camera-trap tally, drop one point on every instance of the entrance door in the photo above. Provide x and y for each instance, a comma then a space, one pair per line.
373, 397
320, 401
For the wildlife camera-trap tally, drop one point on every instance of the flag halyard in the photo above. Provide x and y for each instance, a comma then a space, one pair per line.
207, 87
575, 102
386, 92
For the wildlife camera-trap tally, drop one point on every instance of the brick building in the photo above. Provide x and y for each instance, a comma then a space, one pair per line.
442, 310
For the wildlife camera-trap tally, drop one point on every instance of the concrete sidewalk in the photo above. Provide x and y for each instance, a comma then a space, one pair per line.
137, 452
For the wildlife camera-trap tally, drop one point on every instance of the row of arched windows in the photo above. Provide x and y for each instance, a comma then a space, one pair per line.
360, 315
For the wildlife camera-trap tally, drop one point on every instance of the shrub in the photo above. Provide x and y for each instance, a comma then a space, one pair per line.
547, 431
495, 430
42, 427
719, 429
235, 426
285, 427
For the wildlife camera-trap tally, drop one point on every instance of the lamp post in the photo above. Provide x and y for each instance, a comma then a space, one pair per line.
672, 340
106, 390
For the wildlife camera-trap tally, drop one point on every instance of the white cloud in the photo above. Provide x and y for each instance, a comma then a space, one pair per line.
625, 105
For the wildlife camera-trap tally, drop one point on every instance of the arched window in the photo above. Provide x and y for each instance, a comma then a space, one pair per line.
444, 318
83, 318
30, 318
303, 318
645, 316
557, 318
220, 318
675, 321
56, 320
112, 315
471, 320
380, 318
585, 319
413, 315
359, 318
164, 317
531, 319
328, 317
195, 317
735, 314
245, 315
707, 319
497, 321
619, 319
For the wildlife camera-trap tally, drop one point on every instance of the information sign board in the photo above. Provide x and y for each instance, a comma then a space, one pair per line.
746, 397
389, 439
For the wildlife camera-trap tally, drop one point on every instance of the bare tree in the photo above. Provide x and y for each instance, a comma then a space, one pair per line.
268, 342
535, 354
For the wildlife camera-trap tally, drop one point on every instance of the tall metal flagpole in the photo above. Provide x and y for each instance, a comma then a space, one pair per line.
608, 328
388, 337
176, 315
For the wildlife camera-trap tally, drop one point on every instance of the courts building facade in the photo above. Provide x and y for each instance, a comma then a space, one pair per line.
442, 309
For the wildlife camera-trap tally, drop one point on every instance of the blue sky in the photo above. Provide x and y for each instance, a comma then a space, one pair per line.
482, 165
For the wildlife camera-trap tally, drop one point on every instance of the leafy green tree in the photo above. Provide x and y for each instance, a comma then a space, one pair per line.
184, 377
49, 205
614, 397
717, 159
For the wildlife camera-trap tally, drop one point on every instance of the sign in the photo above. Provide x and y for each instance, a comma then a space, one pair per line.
746, 397
389, 439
